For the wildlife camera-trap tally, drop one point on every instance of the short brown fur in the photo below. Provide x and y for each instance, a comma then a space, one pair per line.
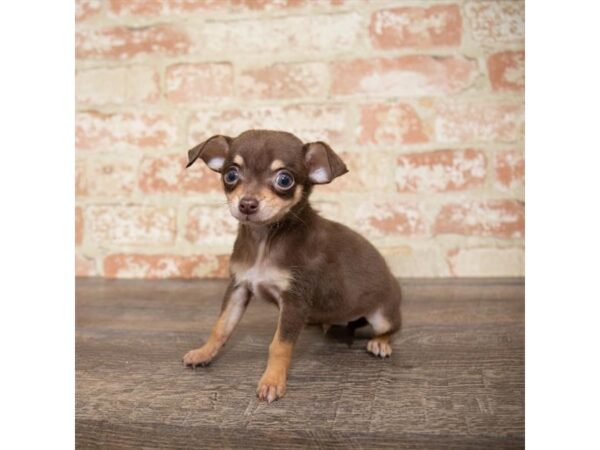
314, 269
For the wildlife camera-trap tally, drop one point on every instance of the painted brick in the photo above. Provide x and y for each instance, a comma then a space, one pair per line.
509, 167
80, 179
440, 171
120, 85
392, 86
209, 225
284, 81
123, 131
305, 34
498, 218
497, 22
331, 210
308, 122
367, 171
413, 75
390, 124
199, 82
487, 262
167, 174
507, 71
378, 219
130, 225
86, 9
416, 261
84, 266
162, 7
268, 5
126, 43
78, 226
135, 265
105, 178
435, 26
479, 122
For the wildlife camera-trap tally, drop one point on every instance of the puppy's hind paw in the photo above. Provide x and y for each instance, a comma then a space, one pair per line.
379, 347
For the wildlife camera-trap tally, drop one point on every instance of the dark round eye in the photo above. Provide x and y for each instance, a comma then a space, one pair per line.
231, 176
284, 180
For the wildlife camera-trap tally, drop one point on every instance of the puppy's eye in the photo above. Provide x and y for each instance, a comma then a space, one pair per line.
231, 176
284, 180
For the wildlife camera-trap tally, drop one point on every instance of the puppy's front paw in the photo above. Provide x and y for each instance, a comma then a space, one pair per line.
271, 386
199, 357
379, 347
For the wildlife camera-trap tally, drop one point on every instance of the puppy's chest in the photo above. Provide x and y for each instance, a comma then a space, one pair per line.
262, 275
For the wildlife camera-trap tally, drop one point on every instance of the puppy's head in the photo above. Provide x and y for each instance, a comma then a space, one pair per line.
266, 173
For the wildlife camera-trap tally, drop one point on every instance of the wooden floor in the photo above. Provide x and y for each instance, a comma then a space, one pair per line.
455, 380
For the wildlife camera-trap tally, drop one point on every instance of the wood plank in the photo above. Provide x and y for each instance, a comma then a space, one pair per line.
455, 380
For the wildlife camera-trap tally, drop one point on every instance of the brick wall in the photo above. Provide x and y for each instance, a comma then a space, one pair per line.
423, 100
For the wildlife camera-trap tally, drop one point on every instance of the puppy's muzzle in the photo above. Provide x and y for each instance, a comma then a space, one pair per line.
248, 205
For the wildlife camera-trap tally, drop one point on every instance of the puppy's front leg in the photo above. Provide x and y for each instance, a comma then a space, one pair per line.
234, 304
292, 318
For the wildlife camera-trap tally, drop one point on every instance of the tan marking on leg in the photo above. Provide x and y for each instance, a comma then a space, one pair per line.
272, 384
221, 331
380, 346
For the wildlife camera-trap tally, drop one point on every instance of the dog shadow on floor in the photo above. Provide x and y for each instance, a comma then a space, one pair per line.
356, 330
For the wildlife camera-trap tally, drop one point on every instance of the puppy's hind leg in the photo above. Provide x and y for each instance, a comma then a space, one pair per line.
385, 324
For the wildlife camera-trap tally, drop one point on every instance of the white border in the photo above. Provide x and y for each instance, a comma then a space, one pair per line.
37, 225
563, 225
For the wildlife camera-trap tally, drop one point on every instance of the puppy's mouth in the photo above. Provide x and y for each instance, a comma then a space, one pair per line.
247, 218
253, 219
264, 216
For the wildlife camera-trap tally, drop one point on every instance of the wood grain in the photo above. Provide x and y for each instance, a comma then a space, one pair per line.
455, 379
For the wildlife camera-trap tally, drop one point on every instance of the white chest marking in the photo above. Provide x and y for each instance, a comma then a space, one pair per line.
262, 273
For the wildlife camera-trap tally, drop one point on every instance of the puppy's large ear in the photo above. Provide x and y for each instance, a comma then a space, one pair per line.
212, 151
322, 162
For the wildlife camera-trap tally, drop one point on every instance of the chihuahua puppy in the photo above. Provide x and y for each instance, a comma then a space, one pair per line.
315, 270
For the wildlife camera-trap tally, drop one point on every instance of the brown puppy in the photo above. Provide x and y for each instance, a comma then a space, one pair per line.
315, 270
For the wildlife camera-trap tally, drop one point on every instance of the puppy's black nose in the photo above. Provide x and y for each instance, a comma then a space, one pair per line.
248, 205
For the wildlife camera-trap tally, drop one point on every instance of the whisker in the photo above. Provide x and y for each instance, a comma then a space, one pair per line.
297, 217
